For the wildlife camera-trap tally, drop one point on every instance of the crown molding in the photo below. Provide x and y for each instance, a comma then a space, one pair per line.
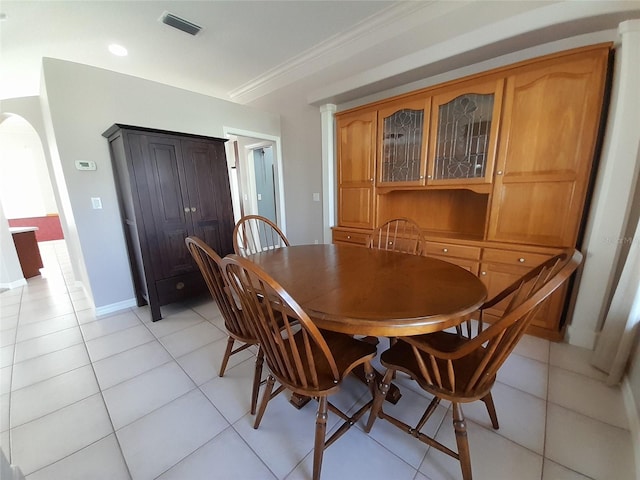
549, 22
393, 19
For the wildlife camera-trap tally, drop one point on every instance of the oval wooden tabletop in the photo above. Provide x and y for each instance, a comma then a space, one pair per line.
366, 291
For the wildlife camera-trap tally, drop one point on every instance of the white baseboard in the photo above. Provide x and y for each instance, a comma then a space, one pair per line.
581, 337
16, 473
634, 421
9, 471
115, 307
18, 283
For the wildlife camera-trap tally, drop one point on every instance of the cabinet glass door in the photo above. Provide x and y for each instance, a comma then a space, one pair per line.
401, 143
465, 125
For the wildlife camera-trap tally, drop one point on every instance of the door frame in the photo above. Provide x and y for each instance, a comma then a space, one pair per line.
229, 132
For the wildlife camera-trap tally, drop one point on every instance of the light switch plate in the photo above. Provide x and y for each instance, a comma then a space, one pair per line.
96, 203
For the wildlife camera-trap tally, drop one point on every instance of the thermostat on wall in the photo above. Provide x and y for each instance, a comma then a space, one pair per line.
85, 165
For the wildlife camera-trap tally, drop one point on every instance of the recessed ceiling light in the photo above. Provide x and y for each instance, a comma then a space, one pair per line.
118, 50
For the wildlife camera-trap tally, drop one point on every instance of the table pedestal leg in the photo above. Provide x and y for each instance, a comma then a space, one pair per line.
394, 392
298, 400
392, 397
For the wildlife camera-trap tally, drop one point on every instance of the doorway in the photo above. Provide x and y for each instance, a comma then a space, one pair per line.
26, 192
255, 174
265, 182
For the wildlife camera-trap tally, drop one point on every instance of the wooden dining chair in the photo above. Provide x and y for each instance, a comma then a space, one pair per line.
399, 235
210, 265
304, 359
254, 233
460, 369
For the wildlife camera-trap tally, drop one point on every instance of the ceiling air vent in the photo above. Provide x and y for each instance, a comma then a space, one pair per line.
179, 23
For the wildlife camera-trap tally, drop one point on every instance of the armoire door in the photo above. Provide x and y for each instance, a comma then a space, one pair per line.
208, 192
164, 202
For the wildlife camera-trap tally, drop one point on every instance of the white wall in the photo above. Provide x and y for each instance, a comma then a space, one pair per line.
25, 187
302, 153
29, 109
79, 103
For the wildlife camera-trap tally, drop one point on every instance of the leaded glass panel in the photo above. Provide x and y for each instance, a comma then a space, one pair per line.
463, 137
402, 146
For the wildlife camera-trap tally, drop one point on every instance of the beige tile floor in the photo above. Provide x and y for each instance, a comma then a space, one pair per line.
121, 397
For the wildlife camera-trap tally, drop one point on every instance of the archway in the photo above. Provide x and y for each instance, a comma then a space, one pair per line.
26, 193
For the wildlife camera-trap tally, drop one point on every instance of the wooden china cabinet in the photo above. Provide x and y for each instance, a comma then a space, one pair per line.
495, 168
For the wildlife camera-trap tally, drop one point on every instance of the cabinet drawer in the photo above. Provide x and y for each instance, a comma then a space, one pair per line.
180, 287
513, 257
470, 265
357, 238
452, 250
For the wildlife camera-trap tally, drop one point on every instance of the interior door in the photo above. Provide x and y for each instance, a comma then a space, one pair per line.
265, 189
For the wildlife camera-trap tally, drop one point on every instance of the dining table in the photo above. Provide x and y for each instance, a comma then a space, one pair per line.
366, 291
371, 292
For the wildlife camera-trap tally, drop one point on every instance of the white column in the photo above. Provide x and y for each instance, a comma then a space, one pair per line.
615, 186
327, 119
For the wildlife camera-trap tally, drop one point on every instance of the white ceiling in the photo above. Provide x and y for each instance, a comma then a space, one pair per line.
240, 40
248, 49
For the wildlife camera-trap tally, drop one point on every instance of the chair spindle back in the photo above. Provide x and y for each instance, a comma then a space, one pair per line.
487, 351
210, 265
399, 235
294, 348
254, 233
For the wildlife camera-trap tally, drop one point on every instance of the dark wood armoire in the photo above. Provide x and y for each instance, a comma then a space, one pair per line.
170, 185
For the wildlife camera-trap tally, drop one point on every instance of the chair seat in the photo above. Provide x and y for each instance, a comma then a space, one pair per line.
348, 352
401, 357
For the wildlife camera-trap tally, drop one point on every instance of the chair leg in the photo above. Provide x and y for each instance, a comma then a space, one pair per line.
376, 408
460, 427
266, 396
321, 428
491, 408
227, 354
370, 378
257, 376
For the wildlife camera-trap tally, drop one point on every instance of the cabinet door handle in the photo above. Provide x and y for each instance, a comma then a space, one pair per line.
348, 237
186, 209
421, 177
521, 260
483, 273
445, 250
179, 285
371, 180
499, 172
193, 209
429, 176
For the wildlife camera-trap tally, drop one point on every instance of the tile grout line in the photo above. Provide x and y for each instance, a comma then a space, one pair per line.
84, 343
10, 453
